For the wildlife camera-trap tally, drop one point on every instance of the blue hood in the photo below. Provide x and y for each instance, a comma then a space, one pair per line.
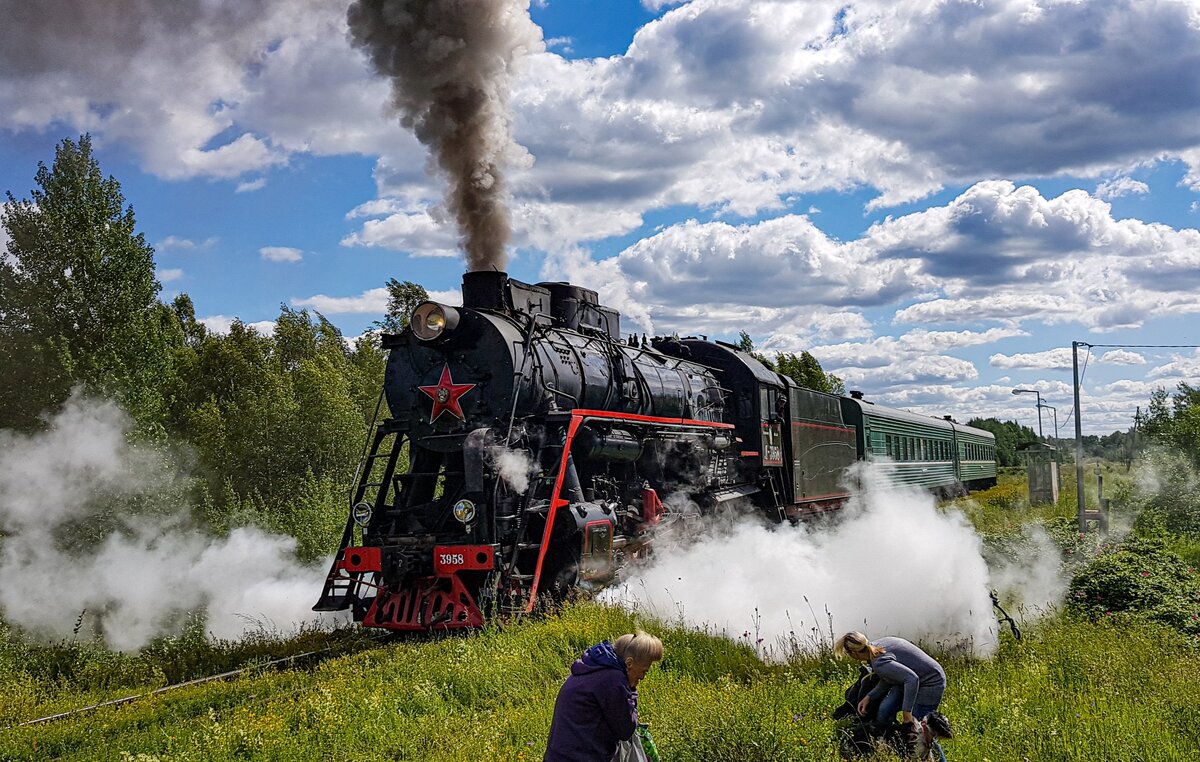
598, 657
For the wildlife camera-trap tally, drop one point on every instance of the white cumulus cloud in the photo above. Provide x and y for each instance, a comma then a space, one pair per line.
1121, 186
281, 254
1122, 357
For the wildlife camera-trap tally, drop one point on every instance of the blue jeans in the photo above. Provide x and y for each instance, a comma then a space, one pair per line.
891, 704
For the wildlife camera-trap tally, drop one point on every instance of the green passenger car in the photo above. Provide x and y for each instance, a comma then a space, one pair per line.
931, 453
976, 453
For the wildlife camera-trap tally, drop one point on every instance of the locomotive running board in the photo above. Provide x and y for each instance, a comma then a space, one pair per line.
733, 493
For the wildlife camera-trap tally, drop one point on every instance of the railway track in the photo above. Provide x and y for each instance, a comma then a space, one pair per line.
292, 661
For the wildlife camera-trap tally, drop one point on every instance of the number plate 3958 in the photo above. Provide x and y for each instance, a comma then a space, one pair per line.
452, 558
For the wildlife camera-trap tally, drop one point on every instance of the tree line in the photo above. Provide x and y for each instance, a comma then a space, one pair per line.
271, 424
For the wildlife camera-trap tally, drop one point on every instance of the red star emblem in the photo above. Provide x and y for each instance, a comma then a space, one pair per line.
445, 395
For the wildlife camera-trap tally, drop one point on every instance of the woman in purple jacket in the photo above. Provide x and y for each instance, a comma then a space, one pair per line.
597, 705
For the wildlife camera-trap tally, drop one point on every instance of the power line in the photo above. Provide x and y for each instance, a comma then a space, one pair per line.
1121, 346
1141, 346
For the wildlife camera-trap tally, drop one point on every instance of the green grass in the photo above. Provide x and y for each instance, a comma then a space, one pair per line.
1122, 687
1071, 690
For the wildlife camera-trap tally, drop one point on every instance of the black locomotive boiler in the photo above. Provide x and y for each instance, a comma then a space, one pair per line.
529, 450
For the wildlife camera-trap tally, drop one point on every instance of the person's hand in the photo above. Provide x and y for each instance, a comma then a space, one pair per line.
862, 705
908, 718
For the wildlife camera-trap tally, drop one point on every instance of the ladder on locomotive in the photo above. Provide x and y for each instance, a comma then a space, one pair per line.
521, 556
340, 585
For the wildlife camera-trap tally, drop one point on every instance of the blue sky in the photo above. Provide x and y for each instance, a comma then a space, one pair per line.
934, 199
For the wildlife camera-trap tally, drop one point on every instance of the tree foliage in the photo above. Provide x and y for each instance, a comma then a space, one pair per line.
268, 412
804, 369
403, 298
78, 296
274, 423
807, 372
1173, 420
1116, 446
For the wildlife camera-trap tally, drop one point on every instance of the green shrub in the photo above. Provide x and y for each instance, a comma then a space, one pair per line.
1170, 495
1139, 577
1004, 496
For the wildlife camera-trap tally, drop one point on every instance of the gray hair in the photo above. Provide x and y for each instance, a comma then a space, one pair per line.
639, 646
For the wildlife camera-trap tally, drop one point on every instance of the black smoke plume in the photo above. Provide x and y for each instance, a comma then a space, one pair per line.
450, 63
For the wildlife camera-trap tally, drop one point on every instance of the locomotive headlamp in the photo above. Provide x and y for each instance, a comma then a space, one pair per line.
431, 320
362, 513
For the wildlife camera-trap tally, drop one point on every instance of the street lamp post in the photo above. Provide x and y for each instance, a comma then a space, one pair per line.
1039, 406
1055, 411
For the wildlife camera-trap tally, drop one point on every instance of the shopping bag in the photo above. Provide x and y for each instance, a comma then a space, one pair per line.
643, 734
630, 750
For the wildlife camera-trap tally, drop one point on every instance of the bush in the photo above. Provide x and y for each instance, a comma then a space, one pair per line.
1140, 577
1169, 495
1004, 496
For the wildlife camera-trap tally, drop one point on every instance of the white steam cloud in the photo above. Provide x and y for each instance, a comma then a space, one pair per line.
137, 573
1035, 578
892, 565
514, 467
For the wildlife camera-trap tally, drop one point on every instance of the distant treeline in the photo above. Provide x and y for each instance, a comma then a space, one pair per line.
1118, 447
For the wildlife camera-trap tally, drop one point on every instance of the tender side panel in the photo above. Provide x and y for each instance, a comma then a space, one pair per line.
822, 445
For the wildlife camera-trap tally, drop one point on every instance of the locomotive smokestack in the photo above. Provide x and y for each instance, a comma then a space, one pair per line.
450, 63
486, 290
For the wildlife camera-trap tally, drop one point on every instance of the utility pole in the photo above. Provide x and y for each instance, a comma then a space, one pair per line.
1075, 345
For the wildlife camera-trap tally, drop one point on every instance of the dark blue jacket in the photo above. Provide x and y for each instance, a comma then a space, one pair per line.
595, 709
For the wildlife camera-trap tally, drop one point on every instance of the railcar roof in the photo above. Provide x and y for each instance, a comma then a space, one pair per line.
972, 430
879, 411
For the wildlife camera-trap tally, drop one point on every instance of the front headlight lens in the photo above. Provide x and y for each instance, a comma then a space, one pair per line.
435, 322
431, 320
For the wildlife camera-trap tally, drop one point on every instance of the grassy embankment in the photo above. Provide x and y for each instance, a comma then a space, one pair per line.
1121, 689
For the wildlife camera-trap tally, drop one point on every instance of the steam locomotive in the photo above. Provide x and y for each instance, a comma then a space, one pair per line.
530, 451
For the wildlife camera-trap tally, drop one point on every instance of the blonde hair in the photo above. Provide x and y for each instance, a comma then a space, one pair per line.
641, 647
855, 643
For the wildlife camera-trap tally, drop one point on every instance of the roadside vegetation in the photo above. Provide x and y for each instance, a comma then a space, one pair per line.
1070, 689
